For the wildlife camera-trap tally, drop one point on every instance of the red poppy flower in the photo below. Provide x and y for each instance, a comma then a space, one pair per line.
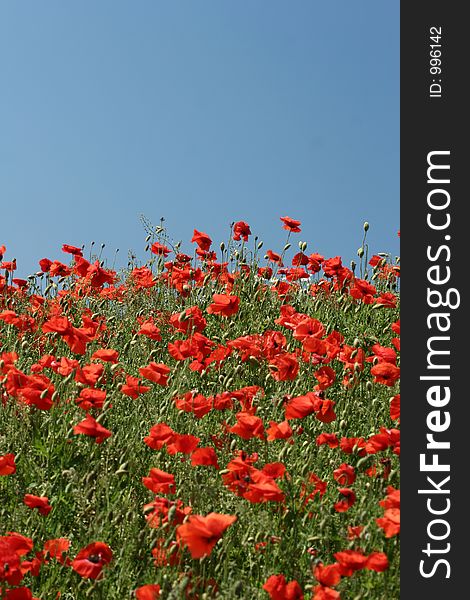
377, 561
65, 366
325, 412
39, 502
278, 588
265, 272
354, 531
202, 240
74, 337
383, 440
148, 592
143, 277
166, 554
396, 327
160, 482
325, 376
165, 511
307, 327
248, 426
89, 426
279, 431
276, 470
106, 355
150, 330
345, 474
194, 403
262, 489
21, 593
325, 593
224, 304
133, 387
350, 561
327, 438
90, 561
56, 548
241, 229
189, 321
204, 456
7, 464
72, 250
158, 373
395, 407
383, 354
91, 398
284, 367
274, 257
327, 575
184, 443
45, 265
300, 260
160, 249
8, 265
200, 534
353, 444
10, 565
302, 406
385, 373
390, 522
291, 224
319, 487
160, 434
387, 299
363, 290
349, 498
18, 543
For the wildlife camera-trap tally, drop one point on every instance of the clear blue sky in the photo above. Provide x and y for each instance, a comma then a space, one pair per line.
201, 112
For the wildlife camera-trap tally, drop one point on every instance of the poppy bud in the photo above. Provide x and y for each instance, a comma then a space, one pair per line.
171, 513
360, 252
122, 469
366, 226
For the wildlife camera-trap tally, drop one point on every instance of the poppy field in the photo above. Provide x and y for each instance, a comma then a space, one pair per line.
223, 425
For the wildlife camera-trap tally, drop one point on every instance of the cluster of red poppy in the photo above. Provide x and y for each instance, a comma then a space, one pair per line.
74, 350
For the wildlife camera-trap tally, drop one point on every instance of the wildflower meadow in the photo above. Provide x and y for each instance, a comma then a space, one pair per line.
218, 425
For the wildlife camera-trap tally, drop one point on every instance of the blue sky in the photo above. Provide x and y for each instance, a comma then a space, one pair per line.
202, 112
